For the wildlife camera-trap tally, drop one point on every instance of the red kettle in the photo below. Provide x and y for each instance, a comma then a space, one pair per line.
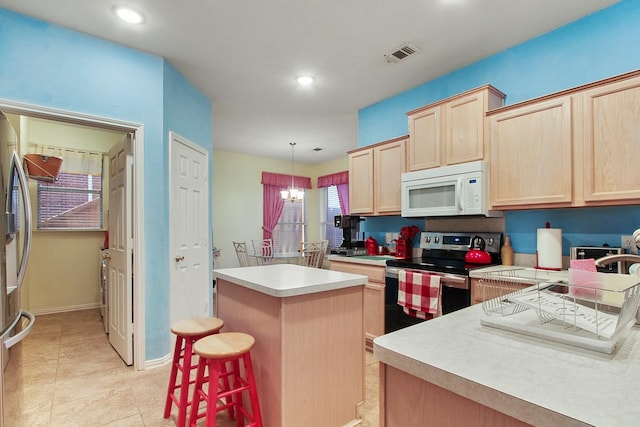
371, 245
476, 253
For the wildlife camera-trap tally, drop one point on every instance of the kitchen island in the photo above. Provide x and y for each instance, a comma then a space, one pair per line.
309, 353
453, 371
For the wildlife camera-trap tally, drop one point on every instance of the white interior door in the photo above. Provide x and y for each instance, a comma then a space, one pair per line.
120, 285
189, 218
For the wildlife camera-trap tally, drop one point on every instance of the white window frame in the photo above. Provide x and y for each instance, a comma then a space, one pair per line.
293, 246
48, 186
324, 221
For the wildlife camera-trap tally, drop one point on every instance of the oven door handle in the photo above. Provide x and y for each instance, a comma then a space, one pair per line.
446, 279
451, 281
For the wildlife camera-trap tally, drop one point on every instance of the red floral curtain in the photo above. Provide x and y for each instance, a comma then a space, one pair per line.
272, 203
341, 181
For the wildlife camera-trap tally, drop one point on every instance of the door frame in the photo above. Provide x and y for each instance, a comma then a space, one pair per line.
138, 202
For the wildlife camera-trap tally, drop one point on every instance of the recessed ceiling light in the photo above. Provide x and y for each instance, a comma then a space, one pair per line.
128, 15
305, 80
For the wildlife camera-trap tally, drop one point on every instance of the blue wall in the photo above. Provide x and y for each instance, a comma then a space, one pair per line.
188, 113
597, 46
49, 66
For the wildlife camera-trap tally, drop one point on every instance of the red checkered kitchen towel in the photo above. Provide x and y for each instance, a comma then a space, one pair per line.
418, 293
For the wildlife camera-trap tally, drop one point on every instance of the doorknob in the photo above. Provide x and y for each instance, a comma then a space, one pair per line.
179, 258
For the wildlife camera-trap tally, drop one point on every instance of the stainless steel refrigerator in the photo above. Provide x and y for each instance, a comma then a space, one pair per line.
15, 243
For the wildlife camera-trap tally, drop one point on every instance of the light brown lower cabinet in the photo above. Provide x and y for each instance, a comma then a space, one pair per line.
410, 401
373, 308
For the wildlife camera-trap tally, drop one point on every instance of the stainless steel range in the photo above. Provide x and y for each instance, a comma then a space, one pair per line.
443, 253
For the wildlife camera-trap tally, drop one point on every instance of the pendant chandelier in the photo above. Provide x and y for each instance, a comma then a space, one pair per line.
292, 194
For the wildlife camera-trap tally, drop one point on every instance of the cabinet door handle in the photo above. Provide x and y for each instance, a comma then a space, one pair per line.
179, 258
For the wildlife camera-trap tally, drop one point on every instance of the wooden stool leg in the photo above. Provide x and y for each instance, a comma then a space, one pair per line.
173, 376
197, 389
253, 391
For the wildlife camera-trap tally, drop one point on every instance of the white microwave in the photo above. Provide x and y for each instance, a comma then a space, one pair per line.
454, 190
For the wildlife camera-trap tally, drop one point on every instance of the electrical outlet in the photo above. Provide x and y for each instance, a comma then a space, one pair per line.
389, 238
628, 244
395, 236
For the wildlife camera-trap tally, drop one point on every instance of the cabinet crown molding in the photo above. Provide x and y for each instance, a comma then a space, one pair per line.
487, 87
565, 92
377, 144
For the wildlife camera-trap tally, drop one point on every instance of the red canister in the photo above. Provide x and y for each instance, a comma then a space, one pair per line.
371, 245
403, 248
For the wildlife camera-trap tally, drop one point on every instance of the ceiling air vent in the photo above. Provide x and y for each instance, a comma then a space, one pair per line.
401, 53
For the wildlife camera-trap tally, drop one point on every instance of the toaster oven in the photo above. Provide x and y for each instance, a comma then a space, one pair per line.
586, 252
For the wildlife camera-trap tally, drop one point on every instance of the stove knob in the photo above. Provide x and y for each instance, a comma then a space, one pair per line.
436, 239
489, 241
427, 239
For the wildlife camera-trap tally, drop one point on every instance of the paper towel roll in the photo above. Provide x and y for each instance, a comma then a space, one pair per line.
549, 248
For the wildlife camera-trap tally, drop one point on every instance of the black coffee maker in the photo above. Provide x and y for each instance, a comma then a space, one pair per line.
350, 226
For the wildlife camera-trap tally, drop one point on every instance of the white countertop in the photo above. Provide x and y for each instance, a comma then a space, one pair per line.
521, 274
537, 381
286, 280
379, 260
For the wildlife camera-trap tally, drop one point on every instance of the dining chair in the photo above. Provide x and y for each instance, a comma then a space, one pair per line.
322, 244
242, 253
263, 250
325, 248
313, 254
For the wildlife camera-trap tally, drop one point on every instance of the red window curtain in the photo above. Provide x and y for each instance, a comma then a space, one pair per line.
341, 181
272, 203
343, 198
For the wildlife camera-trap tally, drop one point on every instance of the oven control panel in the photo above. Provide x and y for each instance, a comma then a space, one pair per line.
460, 241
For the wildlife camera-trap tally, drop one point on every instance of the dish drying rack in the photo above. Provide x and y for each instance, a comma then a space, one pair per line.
591, 310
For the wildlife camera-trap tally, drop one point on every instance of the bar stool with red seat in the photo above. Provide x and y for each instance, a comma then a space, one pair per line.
220, 355
187, 333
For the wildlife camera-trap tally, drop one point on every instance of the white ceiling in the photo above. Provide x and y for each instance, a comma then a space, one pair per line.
245, 54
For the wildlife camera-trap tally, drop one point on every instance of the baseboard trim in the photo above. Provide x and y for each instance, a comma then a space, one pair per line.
156, 363
66, 309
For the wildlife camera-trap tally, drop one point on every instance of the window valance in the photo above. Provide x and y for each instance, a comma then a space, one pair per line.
280, 180
73, 160
333, 179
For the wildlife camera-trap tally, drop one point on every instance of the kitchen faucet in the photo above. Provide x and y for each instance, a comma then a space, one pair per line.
601, 262
609, 259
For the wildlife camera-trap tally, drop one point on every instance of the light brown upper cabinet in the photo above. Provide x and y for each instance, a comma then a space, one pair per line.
374, 177
531, 154
573, 148
452, 130
611, 140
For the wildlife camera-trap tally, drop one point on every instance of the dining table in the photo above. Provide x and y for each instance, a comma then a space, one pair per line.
278, 258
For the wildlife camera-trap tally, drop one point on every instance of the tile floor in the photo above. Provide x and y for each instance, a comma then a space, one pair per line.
65, 373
